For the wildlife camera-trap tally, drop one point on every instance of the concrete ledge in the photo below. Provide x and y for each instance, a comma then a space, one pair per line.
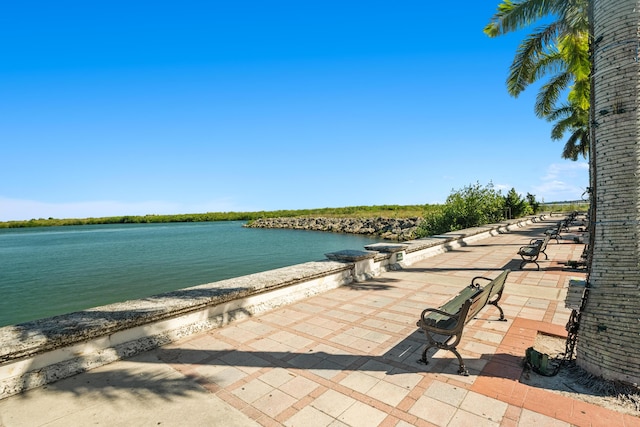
40, 352
420, 249
350, 255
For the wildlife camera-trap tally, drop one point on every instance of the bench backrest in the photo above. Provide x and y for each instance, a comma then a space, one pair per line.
555, 231
542, 243
471, 299
497, 284
453, 306
489, 291
547, 239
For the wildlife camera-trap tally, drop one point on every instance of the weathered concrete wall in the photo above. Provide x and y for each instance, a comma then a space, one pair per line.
36, 353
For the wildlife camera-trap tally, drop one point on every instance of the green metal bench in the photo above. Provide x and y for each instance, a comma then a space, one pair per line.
561, 226
532, 251
443, 326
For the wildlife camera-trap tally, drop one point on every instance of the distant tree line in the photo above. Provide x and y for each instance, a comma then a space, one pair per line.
468, 207
352, 211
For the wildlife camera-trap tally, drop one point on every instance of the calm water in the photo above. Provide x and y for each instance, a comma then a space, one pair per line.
57, 270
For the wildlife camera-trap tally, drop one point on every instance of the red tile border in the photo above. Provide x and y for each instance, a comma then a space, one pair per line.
500, 380
631, 421
547, 403
493, 386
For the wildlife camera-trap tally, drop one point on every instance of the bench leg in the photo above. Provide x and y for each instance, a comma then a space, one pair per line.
423, 359
495, 304
462, 370
430, 344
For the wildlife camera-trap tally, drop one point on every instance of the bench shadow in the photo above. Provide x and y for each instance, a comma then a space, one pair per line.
368, 286
512, 265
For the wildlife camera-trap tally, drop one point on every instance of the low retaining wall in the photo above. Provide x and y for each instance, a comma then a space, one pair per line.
36, 353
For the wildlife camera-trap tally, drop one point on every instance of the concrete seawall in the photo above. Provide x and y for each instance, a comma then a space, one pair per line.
40, 352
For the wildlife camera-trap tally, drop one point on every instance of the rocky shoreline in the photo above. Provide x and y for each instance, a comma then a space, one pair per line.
399, 229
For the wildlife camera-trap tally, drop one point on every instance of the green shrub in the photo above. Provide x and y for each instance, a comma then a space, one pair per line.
515, 206
468, 207
533, 203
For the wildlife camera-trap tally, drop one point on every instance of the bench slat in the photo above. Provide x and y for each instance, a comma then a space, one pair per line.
452, 307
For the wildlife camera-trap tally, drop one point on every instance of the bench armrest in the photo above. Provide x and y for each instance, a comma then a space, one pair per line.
423, 323
477, 285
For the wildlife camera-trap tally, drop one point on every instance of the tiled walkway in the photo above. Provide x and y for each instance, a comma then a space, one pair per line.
346, 358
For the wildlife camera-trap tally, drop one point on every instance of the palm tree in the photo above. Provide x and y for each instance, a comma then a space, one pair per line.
608, 342
559, 49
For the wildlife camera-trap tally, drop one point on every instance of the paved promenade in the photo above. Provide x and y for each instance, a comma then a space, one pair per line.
346, 358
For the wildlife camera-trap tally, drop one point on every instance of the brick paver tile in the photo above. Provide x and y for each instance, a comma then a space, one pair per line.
359, 382
277, 377
245, 361
305, 361
234, 333
222, 376
309, 417
533, 419
388, 393
274, 403
433, 411
484, 406
253, 390
467, 419
333, 403
326, 369
299, 387
375, 369
362, 415
313, 330
447, 393
404, 379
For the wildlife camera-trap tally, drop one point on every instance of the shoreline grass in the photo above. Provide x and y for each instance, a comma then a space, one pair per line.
374, 211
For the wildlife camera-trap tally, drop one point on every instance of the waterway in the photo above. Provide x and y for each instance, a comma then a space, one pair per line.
55, 270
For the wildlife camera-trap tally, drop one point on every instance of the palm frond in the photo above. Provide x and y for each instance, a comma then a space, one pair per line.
576, 15
528, 54
550, 92
560, 128
578, 143
558, 52
551, 63
516, 15
561, 112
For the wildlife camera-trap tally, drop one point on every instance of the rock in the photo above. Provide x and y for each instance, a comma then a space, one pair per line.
400, 229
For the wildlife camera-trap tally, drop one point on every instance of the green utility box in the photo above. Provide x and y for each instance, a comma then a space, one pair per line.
539, 362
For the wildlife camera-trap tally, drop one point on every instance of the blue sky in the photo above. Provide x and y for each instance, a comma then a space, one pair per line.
156, 107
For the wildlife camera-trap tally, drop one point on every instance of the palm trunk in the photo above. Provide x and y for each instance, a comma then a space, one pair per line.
609, 337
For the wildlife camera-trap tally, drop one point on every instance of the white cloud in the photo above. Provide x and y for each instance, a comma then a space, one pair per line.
563, 181
17, 209
504, 188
